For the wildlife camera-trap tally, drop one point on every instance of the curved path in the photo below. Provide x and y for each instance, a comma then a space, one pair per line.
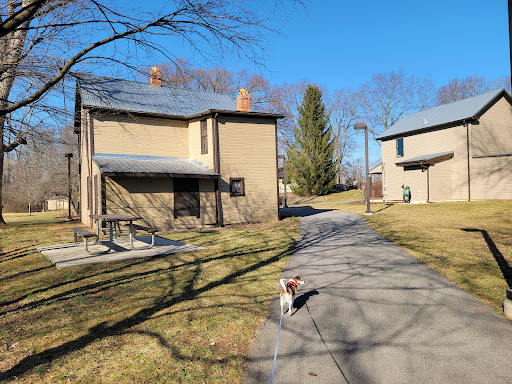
372, 313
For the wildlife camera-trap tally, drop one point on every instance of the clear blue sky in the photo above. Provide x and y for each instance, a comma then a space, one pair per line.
341, 43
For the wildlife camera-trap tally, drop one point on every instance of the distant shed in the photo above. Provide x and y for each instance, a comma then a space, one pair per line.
57, 203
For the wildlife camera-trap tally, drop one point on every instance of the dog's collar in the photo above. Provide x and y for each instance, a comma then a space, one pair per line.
292, 283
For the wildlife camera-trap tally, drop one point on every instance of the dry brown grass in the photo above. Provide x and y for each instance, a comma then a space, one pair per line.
465, 241
181, 318
35, 216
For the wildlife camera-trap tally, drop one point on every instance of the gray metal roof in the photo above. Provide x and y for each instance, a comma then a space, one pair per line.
427, 159
112, 164
442, 114
133, 96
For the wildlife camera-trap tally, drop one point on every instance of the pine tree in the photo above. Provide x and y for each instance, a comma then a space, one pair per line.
311, 156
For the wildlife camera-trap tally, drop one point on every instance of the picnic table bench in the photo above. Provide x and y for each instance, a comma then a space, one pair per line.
85, 234
137, 227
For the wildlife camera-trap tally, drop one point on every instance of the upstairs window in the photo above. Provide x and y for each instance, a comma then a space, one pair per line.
204, 138
399, 147
237, 186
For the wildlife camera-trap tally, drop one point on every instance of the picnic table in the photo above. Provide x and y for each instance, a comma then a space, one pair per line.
113, 220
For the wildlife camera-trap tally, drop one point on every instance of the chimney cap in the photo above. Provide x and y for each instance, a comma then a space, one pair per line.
243, 91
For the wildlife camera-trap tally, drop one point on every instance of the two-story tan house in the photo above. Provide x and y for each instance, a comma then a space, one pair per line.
176, 158
456, 151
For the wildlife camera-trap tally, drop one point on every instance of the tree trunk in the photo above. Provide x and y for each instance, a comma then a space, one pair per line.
11, 46
2, 221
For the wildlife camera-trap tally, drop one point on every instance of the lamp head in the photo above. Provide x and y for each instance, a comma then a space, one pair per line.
360, 125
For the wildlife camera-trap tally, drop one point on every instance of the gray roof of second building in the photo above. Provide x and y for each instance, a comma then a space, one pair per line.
442, 114
131, 164
133, 96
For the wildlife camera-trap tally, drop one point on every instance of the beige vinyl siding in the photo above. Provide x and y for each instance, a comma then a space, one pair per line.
56, 205
194, 143
493, 134
442, 140
86, 171
441, 181
248, 150
491, 177
142, 136
152, 198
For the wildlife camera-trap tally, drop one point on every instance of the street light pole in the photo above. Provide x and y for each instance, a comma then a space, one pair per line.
362, 125
69, 156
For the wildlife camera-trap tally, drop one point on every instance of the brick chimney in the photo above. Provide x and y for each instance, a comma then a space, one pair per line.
155, 79
243, 101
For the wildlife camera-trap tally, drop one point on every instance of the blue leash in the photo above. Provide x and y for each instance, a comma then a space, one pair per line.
277, 345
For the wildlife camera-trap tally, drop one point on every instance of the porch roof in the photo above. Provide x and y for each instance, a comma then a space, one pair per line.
132, 165
426, 159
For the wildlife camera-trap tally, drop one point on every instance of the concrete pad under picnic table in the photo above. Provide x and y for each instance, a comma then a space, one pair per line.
66, 255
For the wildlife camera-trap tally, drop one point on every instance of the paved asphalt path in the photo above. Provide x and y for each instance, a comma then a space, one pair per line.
371, 313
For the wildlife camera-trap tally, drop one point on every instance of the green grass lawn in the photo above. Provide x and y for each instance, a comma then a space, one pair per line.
181, 318
465, 241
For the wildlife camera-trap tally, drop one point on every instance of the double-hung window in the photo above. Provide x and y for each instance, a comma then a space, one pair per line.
204, 138
400, 147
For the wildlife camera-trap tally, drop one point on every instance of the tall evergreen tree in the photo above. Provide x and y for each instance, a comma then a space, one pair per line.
312, 154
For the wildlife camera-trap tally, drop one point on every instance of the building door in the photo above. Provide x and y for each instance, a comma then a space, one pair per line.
186, 198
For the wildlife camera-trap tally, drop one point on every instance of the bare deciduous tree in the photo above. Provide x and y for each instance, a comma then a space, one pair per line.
285, 100
458, 89
181, 74
389, 96
344, 110
38, 170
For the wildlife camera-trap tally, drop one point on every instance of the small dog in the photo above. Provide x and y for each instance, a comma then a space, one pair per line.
289, 291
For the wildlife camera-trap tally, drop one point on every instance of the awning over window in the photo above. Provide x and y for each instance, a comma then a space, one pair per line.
426, 159
128, 165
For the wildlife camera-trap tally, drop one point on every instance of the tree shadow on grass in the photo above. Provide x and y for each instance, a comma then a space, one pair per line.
498, 256
17, 253
102, 331
118, 280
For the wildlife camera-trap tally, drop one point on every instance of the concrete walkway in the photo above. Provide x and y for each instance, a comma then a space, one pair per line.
371, 313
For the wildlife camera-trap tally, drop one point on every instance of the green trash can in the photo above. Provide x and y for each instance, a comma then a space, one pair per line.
407, 194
